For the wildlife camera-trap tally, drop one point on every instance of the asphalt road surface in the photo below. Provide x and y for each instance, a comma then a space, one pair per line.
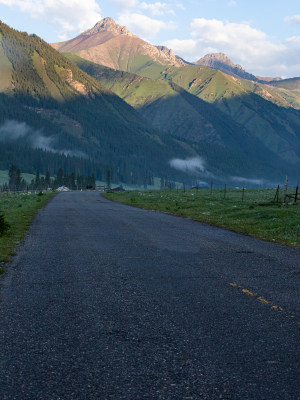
105, 301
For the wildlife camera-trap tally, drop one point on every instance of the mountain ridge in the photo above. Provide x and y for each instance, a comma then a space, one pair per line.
56, 108
223, 63
239, 126
130, 52
177, 106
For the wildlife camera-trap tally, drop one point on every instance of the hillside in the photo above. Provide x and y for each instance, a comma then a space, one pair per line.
289, 84
112, 45
253, 106
227, 143
75, 117
270, 113
53, 113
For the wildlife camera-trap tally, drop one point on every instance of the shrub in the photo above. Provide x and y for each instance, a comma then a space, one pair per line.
4, 225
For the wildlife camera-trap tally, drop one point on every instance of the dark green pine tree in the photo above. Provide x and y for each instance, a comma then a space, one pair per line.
72, 181
59, 177
47, 179
12, 174
108, 183
79, 182
37, 181
18, 179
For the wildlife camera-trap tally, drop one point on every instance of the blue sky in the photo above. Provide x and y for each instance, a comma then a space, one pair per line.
261, 35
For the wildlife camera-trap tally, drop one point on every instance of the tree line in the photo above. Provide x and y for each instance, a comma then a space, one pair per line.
44, 181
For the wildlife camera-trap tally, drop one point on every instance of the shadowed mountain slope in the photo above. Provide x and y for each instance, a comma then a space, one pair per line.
57, 108
171, 108
276, 127
254, 107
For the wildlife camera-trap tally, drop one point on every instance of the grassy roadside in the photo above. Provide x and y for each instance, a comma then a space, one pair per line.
254, 213
18, 210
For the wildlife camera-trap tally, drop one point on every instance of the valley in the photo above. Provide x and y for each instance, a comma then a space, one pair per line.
109, 101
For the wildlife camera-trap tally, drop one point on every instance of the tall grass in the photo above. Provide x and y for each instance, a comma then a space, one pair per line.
17, 210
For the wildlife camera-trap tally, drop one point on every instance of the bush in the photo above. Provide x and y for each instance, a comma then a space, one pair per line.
4, 225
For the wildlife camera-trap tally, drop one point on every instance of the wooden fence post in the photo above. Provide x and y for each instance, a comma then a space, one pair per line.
286, 189
296, 195
277, 194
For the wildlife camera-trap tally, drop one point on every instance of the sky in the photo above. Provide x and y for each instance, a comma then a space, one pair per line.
263, 36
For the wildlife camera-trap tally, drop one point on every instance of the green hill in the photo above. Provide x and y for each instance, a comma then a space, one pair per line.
226, 144
289, 84
270, 114
53, 114
276, 126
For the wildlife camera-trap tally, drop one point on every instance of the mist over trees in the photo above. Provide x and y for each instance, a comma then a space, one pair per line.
45, 182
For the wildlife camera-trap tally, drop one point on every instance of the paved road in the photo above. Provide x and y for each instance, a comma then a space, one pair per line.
105, 301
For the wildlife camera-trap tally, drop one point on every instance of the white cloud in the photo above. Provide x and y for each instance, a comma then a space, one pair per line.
13, 130
67, 16
144, 26
186, 48
295, 19
157, 8
195, 164
293, 39
240, 179
126, 4
232, 3
244, 44
181, 6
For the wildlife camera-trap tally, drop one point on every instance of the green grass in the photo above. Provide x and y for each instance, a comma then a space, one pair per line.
258, 215
19, 210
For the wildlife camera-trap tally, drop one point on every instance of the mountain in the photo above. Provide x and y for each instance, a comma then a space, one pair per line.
227, 140
74, 114
266, 79
267, 112
292, 84
51, 112
112, 45
221, 62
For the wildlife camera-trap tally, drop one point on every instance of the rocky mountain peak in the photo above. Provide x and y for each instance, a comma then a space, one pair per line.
211, 59
223, 63
108, 24
166, 51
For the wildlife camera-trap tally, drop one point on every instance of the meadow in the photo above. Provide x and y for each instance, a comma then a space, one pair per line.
253, 212
16, 213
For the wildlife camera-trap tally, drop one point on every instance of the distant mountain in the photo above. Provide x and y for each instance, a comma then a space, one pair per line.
240, 127
265, 79
292, 84
224, 127
265, 111
112, 45
51, 112
271, 114
221, 62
